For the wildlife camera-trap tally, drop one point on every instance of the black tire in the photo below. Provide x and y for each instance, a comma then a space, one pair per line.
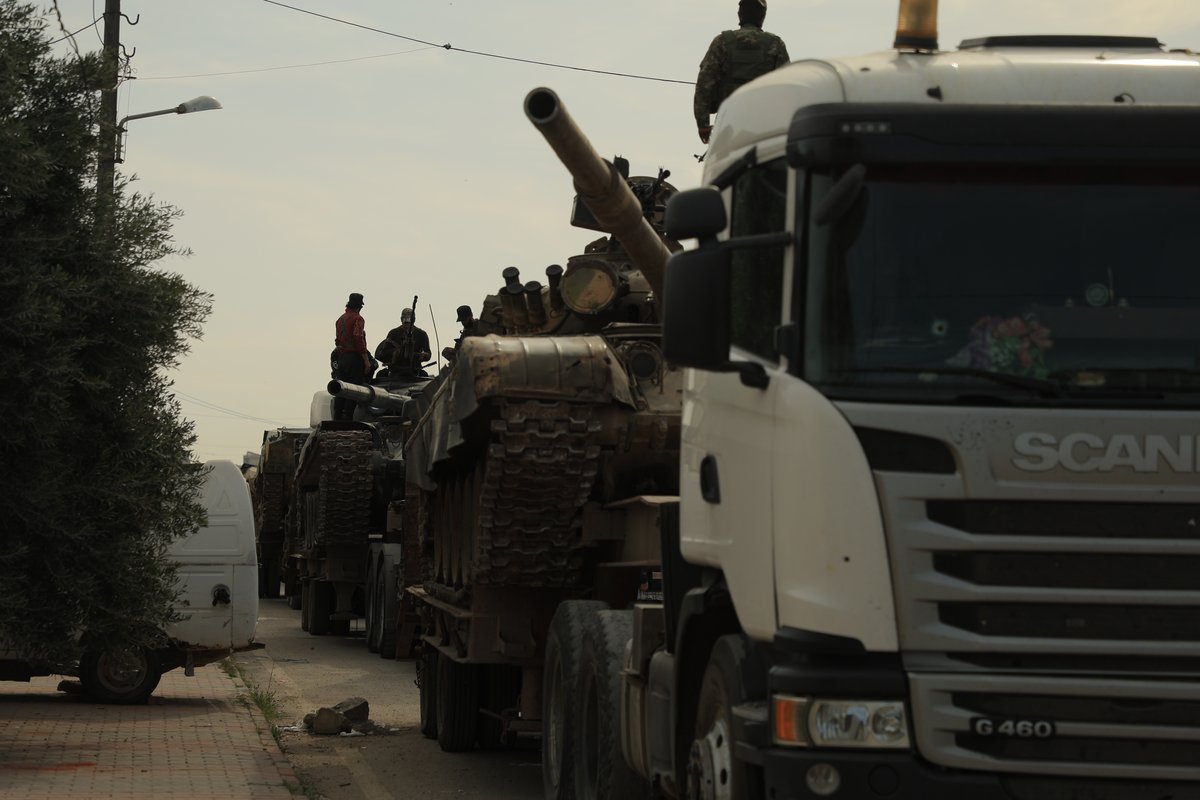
294, 601
499, 691
372, 614
269, 588
427, 681
305, 605
388, 608
600, 769
560, 673
120, 676
721, 690
457, 705
320, 604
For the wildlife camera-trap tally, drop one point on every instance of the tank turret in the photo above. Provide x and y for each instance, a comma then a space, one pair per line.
373, 396
602, 188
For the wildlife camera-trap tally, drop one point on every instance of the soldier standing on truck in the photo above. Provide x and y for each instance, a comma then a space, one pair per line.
734, 58
406, 348
350, 352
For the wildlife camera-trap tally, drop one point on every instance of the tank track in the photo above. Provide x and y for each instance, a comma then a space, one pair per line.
344, 487
527, 494
271, 503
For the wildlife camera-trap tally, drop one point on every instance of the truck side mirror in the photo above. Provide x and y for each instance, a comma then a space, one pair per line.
696, 309
696, 214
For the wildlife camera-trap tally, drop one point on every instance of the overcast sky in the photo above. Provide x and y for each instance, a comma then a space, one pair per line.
392, 168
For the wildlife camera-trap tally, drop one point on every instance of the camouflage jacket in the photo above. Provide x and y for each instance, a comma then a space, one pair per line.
734, 58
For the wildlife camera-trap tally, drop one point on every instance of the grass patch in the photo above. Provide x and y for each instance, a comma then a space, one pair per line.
304, 788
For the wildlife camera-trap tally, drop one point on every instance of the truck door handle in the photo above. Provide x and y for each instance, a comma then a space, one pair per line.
710, 482
221, 595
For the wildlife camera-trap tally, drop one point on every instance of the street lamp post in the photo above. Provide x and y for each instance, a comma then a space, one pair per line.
106, 169
201, 103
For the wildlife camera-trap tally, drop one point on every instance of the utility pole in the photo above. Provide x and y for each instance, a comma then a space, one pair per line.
106, 165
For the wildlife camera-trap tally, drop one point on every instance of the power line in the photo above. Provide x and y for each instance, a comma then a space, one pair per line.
71, 36
229, 411
288, 66
448, 46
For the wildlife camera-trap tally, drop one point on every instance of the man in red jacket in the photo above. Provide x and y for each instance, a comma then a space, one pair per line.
350, 350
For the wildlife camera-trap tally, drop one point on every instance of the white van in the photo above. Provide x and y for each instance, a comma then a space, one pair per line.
217, 603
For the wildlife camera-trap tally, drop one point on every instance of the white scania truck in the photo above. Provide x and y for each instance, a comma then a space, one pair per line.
939, 525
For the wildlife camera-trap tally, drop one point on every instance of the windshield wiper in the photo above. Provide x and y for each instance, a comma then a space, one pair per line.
1039, 386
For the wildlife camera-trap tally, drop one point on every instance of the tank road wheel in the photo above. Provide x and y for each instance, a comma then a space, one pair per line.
600, 769
712, 771
427, 683
387, 607
372, 613
320, 600
564, 644
457, 704
439, 533
470, 530
458, 519
499, 690
125, 676
305, 604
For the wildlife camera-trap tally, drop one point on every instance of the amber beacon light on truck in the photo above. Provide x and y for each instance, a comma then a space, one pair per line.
917, 27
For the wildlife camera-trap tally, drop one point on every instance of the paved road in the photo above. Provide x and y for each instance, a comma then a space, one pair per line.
194, 740
305, 672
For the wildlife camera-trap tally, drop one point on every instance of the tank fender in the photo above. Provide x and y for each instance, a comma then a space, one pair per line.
576, 368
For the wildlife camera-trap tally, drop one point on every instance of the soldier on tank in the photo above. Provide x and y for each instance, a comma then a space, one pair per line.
405, 349
734, 58
351, 358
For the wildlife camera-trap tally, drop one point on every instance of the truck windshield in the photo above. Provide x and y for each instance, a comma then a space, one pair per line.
949, 282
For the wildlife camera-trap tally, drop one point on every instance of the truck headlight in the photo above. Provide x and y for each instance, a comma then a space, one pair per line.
811, 722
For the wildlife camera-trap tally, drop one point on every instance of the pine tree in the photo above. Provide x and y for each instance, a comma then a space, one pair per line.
96, 477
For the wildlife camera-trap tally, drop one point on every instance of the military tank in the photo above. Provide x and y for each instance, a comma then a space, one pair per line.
272, 493
347, 493
536, 470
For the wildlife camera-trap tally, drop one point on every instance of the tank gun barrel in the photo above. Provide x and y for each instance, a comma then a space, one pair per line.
368, 395
600, 186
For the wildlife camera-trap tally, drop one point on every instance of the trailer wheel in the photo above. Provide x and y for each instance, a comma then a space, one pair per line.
124, 676
372, 612
427, 683
387, 608
560, 673
320, 602
294, 601
600, 769
499, 691
712, 768
305, 605
457, 705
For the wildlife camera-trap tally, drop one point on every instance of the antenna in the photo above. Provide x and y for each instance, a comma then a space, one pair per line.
437, 341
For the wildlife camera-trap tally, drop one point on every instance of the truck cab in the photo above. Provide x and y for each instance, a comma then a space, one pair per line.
938, 480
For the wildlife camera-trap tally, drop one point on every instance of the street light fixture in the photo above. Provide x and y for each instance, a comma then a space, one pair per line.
201, 103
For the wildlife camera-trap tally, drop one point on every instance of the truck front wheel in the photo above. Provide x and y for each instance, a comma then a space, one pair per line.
600, 769
713, 771
125, 676
560, 673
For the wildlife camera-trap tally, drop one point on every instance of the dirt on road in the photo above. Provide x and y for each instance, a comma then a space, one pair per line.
302, 673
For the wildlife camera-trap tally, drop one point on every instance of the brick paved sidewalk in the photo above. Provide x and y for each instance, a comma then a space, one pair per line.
193, 740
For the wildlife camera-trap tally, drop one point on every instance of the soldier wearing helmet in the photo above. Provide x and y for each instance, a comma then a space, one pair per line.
734, 58
406, 348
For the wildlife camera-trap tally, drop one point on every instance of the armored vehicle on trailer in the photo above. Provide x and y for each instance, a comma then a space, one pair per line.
547, 439
348, 488
272, 493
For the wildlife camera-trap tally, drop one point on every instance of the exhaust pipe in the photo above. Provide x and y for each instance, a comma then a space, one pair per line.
916, 29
